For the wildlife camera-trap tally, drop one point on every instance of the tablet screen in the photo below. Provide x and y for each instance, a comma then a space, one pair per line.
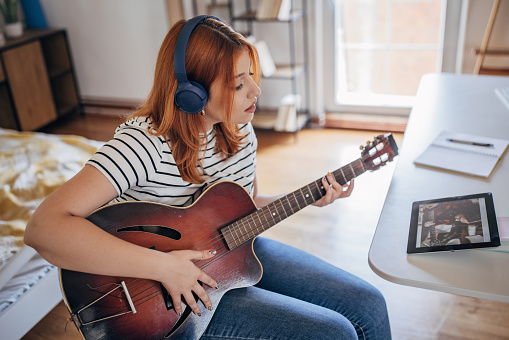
453, 223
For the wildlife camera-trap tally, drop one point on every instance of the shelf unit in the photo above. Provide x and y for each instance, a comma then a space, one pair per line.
293, 70
37, 80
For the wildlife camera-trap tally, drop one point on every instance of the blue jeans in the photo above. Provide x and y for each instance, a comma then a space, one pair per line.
300, 297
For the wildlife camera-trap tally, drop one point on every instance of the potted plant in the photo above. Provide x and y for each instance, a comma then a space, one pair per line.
10, 10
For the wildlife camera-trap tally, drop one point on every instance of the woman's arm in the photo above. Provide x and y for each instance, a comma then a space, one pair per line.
59, 231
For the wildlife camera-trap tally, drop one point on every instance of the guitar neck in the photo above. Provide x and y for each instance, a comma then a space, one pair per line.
257, 222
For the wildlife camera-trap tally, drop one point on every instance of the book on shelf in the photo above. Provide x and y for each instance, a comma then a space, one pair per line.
274, 9
265, 9
286, 119
464, 153
266, 62
285, 8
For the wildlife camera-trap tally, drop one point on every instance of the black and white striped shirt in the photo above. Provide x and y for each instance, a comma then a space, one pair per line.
141, 166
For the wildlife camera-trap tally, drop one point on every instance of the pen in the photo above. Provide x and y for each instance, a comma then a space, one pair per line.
488, 145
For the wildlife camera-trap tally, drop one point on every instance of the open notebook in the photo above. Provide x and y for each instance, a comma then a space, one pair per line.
466, 153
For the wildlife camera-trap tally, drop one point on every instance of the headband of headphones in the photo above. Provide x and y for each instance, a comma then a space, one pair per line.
190, 97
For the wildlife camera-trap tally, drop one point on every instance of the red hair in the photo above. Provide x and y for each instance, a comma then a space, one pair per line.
211, 55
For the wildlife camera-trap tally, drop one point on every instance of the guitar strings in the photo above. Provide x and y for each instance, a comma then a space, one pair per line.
243, 221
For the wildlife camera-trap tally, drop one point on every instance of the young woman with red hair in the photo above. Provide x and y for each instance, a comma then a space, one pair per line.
162, 154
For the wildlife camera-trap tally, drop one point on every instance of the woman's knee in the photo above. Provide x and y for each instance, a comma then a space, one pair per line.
372, 315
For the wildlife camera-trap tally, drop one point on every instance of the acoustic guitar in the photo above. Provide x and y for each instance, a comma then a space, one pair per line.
224, 218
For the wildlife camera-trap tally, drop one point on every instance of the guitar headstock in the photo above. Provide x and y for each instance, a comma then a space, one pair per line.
377, 153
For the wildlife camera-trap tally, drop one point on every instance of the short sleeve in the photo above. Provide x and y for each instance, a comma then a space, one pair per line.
129, 158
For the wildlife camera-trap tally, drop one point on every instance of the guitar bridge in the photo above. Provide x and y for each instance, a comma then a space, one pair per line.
77, 319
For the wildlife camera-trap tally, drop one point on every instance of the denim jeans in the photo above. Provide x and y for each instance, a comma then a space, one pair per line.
300, 297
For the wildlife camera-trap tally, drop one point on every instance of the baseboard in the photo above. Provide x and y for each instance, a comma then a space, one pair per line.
373, 122
109, 106
354, 121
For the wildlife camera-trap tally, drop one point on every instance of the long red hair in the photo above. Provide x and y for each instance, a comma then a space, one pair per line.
211, 55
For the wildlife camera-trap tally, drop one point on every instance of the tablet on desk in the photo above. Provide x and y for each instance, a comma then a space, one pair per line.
453, 223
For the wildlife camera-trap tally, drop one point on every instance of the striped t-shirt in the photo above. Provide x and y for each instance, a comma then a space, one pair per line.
141, 166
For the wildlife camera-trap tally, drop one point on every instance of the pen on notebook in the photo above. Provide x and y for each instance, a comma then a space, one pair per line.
488, 145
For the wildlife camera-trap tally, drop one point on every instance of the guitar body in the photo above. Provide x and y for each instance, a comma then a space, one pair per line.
101, 309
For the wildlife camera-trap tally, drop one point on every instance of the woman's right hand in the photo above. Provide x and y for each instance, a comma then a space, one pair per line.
181, 278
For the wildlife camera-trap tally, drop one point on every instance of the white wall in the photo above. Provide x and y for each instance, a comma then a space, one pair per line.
114, 44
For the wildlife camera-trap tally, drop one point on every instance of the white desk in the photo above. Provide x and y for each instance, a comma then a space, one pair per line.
463, 103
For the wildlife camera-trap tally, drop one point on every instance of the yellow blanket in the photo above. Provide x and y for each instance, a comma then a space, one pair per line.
32, 165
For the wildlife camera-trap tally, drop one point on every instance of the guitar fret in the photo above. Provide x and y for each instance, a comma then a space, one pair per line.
242, 234
271, 214
259, 219
289, 204
297, 200
350, 174
234, 238
362, 164
344, 177
291, 199
262, 212
236, 234
274, 213
228, 235
243, 223
259, 228
252, 226
353, 171
255, 225
303, 196
282, 207
311, 192
319, 191
236, 227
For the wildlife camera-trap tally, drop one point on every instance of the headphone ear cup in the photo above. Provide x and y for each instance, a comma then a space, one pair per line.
191, 97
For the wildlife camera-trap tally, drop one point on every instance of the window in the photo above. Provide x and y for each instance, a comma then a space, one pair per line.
382, 49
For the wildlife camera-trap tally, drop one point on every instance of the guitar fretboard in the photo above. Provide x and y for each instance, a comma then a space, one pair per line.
250, 226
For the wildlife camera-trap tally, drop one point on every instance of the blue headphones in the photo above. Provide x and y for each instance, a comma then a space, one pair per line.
190, 97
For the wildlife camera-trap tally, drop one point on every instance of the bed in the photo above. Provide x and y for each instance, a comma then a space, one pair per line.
32, 165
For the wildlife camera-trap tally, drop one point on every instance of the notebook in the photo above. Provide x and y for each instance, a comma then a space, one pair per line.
465, 153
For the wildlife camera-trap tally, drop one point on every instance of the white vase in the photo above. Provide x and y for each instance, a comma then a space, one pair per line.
13, 30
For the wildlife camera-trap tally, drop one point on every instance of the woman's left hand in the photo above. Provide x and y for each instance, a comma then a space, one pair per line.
333, 190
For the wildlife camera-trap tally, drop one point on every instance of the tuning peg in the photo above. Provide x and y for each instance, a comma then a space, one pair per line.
368, 143
361, 147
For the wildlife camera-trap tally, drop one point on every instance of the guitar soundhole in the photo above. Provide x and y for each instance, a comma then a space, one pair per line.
154, 229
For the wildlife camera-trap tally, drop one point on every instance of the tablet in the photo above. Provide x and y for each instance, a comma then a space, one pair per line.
453, 223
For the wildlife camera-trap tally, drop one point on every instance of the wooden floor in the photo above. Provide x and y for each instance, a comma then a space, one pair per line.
341, 233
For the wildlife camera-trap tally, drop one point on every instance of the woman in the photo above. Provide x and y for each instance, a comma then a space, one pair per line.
163, 154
